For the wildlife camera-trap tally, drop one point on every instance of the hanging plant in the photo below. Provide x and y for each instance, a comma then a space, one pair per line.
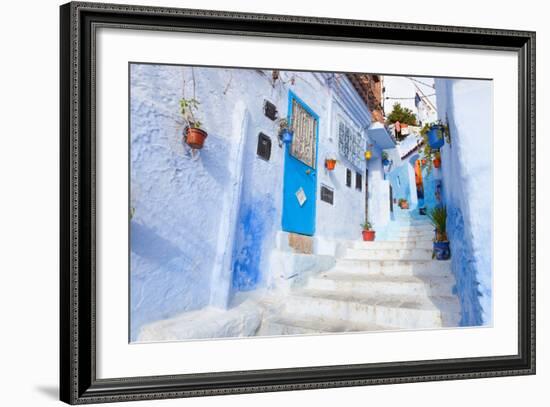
431, 154
435, 134
194, 136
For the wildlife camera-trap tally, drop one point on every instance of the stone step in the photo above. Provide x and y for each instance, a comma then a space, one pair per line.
290, 325
393, 268
392, 311
415, 232
417, 238
392, 244
388, 254
417, 228
376, 285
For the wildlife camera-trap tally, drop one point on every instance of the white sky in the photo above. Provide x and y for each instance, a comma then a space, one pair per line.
403, 87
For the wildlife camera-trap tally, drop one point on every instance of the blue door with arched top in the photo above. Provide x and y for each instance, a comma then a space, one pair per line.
300, 169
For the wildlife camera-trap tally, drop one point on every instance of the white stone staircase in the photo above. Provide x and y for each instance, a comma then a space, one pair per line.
380, 285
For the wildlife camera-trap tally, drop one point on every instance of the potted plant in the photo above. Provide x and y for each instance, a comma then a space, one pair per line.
437, 160
441, 248
330, 163
385, 158
368, 233
435, 134
194, 136
285, 131
403, 203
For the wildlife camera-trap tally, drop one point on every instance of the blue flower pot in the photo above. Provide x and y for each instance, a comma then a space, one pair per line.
434, 139
287, 137
442, 251
386, 162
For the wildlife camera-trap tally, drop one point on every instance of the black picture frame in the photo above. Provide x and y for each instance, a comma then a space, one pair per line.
78, 382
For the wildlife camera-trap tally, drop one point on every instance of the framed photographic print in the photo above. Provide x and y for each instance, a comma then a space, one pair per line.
255, 203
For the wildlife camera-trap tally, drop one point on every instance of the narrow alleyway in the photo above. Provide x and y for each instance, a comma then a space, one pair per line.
380, 285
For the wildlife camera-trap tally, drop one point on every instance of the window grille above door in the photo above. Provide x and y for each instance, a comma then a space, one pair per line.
304, 126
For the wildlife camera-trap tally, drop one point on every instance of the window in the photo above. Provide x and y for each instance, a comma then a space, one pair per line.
327, 195
351, 144
358, 181
348, 177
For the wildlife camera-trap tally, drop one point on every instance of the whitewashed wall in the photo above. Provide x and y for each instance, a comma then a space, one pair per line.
343, 219
467, 170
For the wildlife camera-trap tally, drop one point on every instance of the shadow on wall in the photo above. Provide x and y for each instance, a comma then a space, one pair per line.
214, 162
146, 243
165, 280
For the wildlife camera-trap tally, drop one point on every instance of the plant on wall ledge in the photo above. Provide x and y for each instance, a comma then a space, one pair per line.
441, 248
330, 163
368, 233
194, 135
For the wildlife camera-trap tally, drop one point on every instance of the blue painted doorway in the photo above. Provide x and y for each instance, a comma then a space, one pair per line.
300, 169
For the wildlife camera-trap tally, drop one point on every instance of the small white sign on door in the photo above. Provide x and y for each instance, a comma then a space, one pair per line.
301, 196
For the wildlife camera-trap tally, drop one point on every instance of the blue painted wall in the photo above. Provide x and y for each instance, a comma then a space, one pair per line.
400, 181
255, 229
433, 188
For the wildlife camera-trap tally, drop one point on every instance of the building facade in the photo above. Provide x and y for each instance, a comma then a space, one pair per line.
207, 225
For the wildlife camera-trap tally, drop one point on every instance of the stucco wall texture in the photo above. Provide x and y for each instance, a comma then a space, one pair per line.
467, 165
203, 225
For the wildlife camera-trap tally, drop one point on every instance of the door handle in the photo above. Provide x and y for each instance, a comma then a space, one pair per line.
308, 171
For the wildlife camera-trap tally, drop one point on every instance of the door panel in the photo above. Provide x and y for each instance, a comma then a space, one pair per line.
300, 174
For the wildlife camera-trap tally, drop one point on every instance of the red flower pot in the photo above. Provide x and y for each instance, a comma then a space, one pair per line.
368, 235
195, 137
437, 162
330, 164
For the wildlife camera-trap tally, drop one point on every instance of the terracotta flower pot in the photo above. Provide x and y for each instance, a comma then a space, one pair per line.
437, 162
368, 235
330, 164
195, 137
404, 205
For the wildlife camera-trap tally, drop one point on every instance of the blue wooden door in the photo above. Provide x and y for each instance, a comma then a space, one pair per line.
300, 169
